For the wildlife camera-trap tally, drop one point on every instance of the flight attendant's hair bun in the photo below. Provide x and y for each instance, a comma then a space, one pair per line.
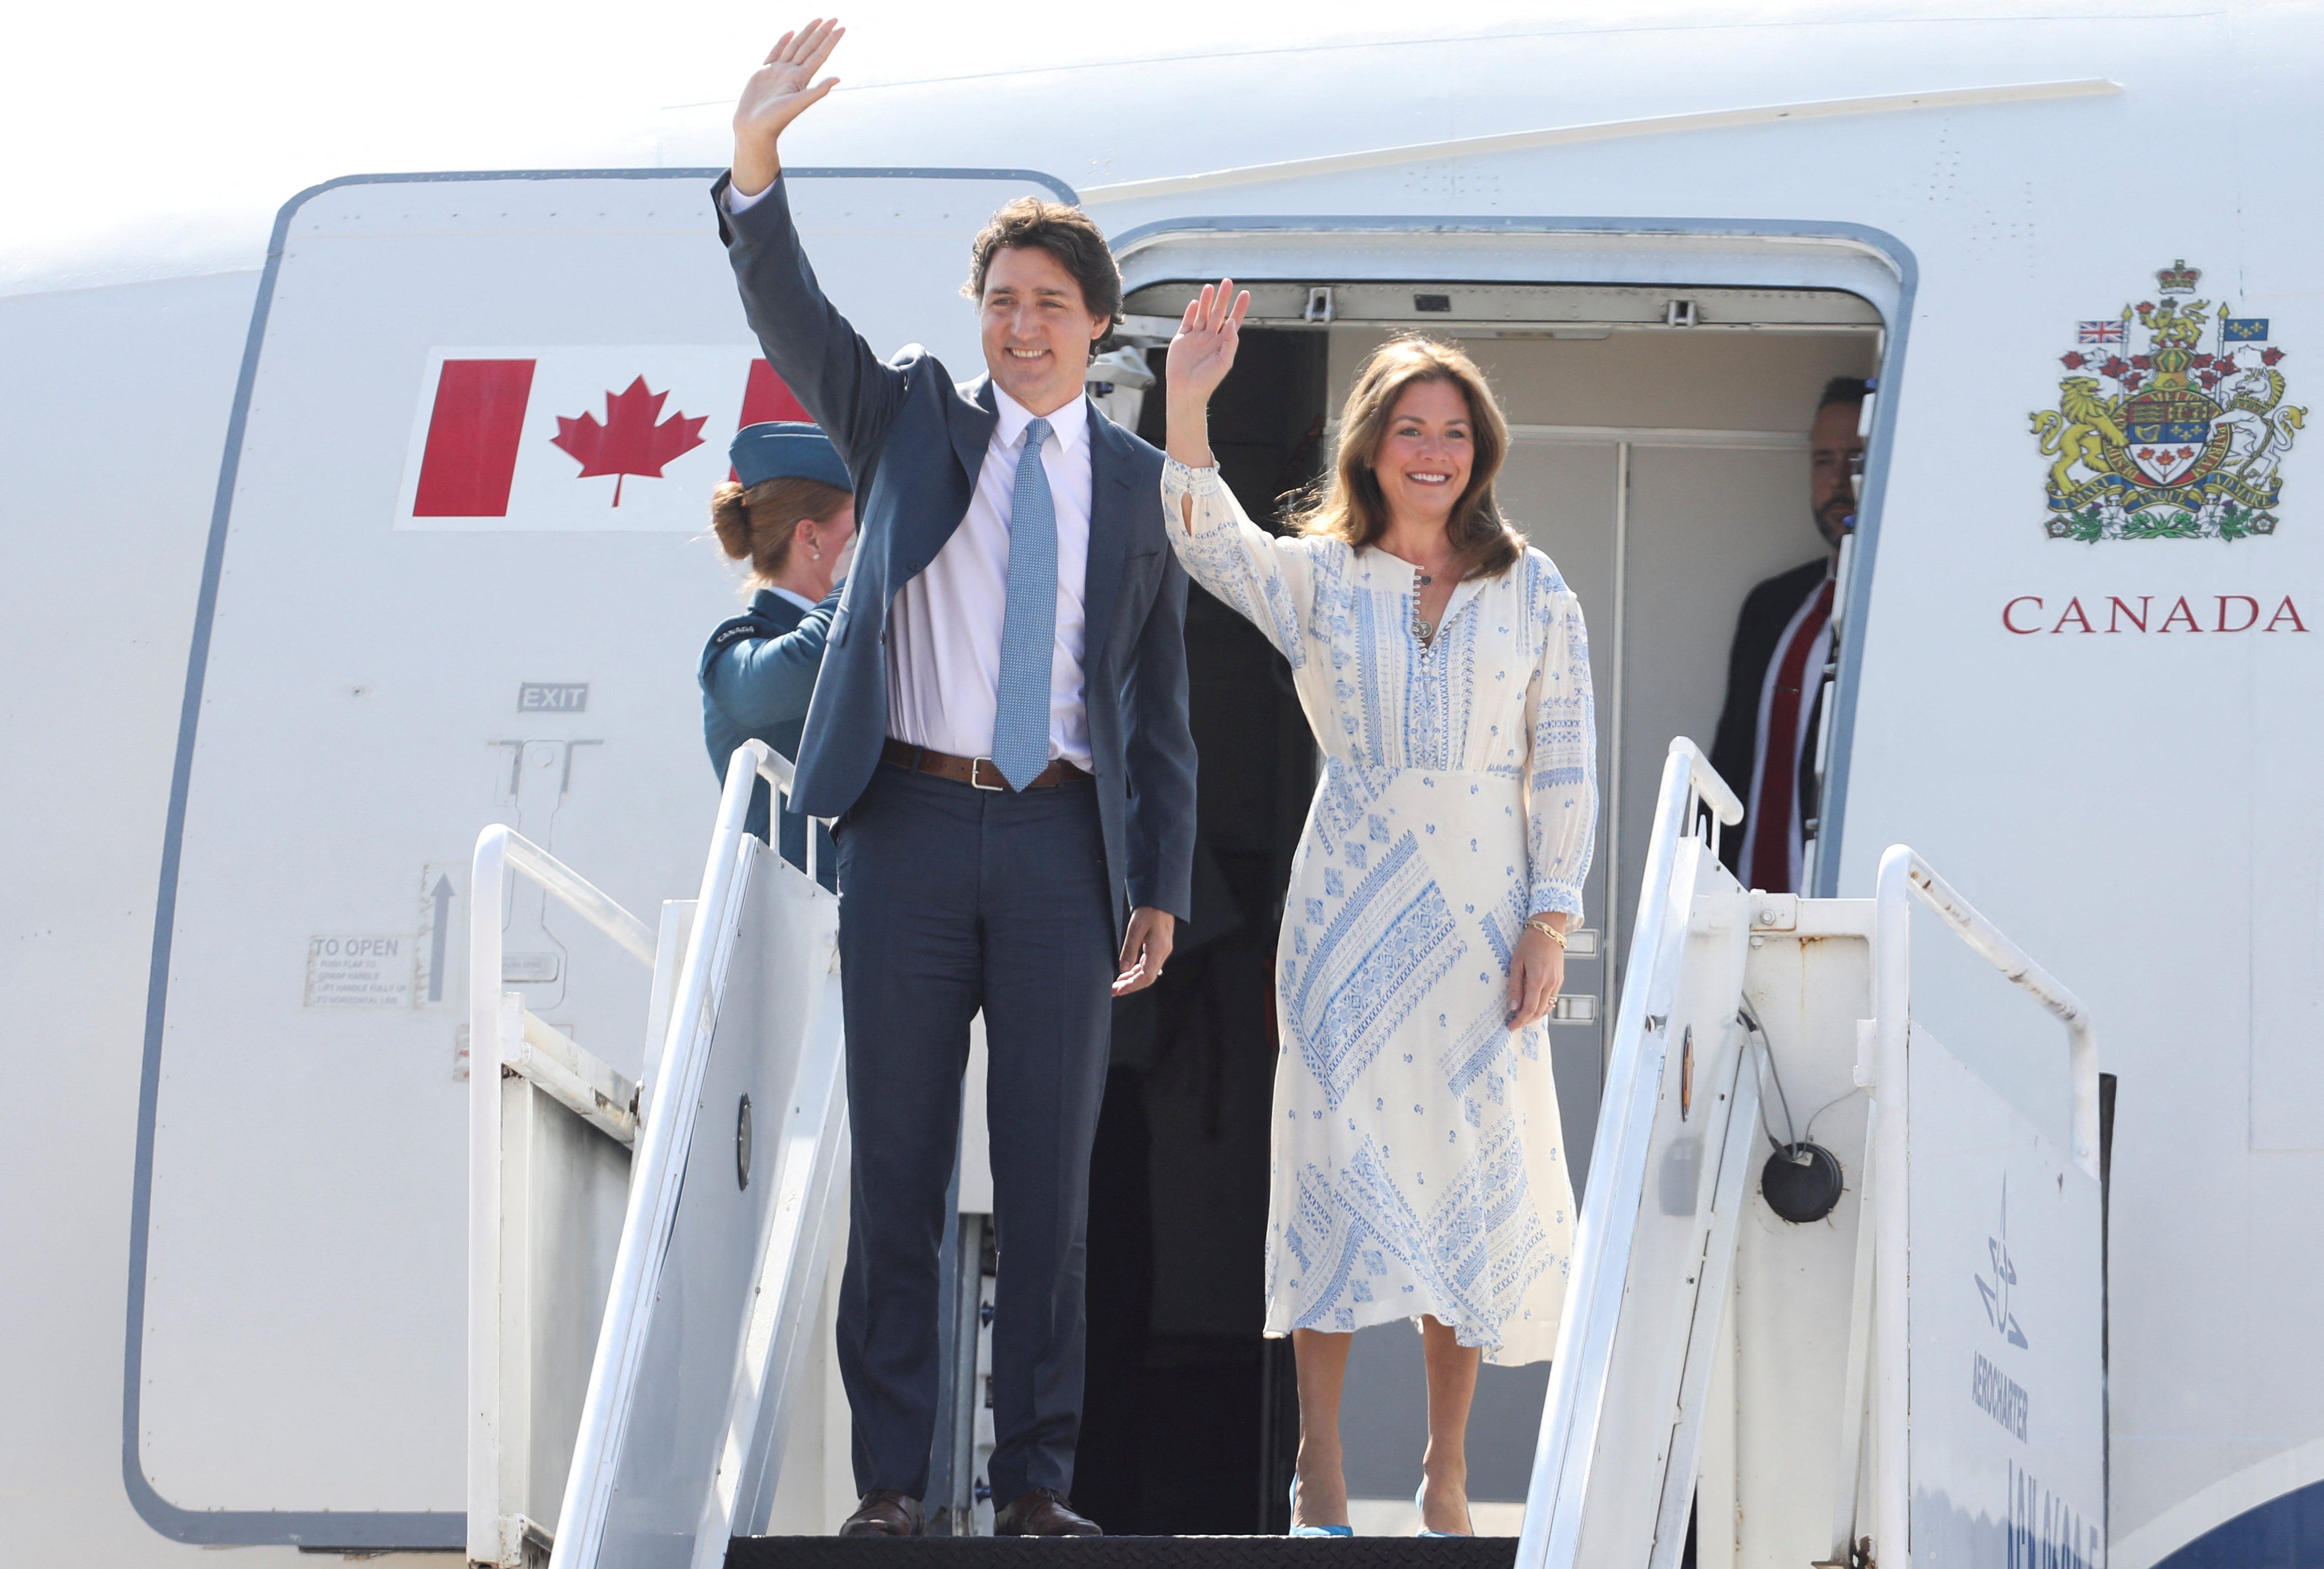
730, 519
757, 524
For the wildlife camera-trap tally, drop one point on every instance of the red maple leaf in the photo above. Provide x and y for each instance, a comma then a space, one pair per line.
2072, 360
630, 442
2269, 356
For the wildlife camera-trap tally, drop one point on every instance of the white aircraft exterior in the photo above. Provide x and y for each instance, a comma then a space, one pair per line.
2079, 670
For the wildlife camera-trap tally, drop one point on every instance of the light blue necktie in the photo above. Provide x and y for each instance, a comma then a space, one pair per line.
1029, 631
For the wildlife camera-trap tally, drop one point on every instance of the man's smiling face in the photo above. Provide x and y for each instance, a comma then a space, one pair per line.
1036, 329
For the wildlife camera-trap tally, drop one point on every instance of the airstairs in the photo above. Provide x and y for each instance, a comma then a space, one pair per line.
1836, 1301
738, 1138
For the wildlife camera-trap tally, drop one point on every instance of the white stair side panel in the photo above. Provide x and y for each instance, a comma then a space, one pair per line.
2008, 1438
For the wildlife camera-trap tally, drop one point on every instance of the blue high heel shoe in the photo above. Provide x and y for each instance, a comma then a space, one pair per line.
1299, 1530
1422, 1510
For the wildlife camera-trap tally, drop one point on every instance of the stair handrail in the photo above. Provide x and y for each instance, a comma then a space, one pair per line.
1579, 1367
1903, 876
661, 1150
504, 1034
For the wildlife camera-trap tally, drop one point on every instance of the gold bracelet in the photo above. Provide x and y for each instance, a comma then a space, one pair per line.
1546, 930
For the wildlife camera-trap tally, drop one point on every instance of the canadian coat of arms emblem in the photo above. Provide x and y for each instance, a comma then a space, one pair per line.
2180, 441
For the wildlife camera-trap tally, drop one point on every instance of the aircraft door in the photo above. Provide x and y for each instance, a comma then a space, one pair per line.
455, 578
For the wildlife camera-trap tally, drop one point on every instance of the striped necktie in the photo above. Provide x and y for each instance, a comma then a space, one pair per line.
1776, 828
1029, 631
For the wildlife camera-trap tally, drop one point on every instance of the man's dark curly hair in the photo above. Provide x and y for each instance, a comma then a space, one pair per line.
1066, 232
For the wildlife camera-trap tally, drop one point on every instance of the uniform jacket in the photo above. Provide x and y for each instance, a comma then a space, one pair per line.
914, 439
757, 673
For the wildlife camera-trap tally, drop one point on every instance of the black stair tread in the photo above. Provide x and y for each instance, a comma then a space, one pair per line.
1128, 1552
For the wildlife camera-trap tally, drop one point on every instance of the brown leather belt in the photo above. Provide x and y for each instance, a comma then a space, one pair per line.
977, 771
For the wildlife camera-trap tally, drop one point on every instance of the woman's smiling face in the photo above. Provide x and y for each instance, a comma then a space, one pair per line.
1424, 457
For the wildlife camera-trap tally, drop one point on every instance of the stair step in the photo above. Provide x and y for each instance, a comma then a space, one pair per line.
1125, 1552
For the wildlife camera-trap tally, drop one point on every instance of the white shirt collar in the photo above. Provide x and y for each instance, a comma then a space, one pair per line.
1068, 426
801, 601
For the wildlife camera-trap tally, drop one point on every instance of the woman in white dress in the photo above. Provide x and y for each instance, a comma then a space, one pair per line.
1418, 1168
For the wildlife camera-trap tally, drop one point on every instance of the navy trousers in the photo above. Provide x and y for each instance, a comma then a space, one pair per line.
952, 899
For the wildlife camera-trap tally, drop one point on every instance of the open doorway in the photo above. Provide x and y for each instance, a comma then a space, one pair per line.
1189, 1413
1660, 457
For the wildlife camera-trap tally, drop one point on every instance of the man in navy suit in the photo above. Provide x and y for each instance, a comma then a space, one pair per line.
1000, 729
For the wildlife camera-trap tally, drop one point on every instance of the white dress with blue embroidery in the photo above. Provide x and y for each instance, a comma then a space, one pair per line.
1418, 1163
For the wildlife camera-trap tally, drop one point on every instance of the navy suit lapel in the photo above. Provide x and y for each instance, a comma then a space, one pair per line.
1113, 478
972, 419
969, 417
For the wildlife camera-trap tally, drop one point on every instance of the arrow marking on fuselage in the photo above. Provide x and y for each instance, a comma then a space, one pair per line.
442, 894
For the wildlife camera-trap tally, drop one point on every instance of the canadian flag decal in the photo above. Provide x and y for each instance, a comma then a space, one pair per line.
634, 439
472, 438
581, 439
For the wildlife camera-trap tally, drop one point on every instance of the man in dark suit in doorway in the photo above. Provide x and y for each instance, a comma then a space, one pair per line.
1000, 729
1765, 744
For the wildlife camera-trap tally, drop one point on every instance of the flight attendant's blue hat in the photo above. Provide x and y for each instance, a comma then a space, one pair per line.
785, 449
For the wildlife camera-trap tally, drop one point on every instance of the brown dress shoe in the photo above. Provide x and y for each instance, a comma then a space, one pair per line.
1043, 1513
886, 1512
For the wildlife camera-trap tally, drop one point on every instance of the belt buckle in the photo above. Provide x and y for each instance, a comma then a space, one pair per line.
975, 764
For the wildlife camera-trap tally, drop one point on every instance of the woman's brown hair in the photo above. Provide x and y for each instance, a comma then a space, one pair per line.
758, 525
1347, 504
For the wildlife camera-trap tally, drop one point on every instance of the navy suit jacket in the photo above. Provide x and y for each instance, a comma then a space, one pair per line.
1767, 609
914, 440
757, 673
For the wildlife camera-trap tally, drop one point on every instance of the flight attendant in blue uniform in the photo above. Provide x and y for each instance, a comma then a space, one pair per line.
790, 513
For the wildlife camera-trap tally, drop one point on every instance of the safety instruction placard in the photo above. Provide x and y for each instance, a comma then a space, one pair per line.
359, 971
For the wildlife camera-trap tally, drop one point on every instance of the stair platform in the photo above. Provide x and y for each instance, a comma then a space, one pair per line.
1124, 1552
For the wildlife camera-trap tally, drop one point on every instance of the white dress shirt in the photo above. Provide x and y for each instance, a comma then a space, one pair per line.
944, 631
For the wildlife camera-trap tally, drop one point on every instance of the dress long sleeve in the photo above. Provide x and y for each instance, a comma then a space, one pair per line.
1265, 579
1561, 762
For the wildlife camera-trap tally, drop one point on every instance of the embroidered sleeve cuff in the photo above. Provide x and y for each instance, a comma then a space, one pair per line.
1556, 899
1180, 479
